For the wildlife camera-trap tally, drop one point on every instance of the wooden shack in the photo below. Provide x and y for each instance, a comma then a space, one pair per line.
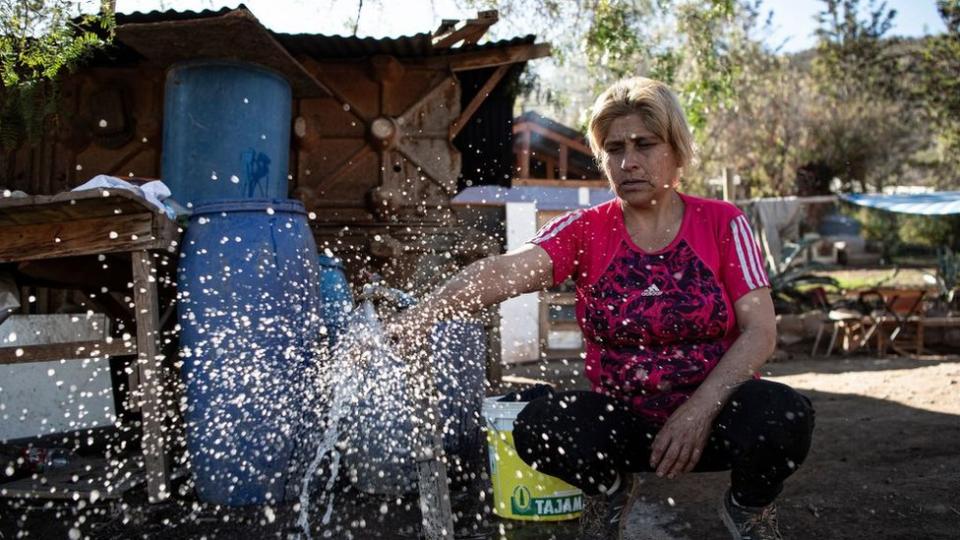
379, 126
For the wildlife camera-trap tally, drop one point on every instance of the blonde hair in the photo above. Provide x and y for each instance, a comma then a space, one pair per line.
655, 104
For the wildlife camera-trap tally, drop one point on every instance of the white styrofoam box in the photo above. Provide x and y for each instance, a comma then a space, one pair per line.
39, 398
520, 316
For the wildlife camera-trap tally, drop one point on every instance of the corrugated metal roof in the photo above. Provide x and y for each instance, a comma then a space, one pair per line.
326, 46
416, 46
322, 46
139, 17
549, 123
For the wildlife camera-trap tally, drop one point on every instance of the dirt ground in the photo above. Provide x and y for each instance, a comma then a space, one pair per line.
885, 462
885, 465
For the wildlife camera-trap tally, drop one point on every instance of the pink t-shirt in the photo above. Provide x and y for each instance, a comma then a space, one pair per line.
655, 324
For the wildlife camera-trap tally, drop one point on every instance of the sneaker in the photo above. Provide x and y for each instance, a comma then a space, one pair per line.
603, 516
749, 523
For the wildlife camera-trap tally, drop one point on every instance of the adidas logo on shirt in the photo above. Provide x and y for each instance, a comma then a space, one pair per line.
652, 290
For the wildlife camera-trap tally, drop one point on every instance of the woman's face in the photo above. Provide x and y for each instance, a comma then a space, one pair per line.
641, 167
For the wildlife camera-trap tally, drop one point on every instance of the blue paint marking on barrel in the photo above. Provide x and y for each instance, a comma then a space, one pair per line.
249, 290
226, 132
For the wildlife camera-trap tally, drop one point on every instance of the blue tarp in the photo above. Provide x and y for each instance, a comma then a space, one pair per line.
938, 203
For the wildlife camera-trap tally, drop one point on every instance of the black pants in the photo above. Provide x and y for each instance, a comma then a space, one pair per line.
762, 435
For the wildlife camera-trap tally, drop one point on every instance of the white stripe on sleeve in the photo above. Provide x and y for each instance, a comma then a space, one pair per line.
751, 252
762, 279
740, 254
554, 227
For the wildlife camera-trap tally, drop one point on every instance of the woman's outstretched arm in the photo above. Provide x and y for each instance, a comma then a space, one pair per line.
484, 283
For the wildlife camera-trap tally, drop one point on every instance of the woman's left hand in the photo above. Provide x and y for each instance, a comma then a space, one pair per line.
680, 443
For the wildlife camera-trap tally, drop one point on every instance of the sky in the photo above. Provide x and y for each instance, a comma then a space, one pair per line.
793, 21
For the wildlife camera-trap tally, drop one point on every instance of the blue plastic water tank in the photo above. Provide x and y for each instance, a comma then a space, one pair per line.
336, 300
383, 460
226, 132
249, 290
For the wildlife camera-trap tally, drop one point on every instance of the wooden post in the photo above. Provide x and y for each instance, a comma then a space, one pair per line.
149, 366
525, 154
548, 165
564, 157
729, 189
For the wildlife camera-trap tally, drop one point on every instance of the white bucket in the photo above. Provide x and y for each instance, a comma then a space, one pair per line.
520, 492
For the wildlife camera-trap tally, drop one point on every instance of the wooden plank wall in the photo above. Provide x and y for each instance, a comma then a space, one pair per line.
76, 147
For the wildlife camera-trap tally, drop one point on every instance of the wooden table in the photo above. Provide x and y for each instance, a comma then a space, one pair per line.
99, 222
934, 322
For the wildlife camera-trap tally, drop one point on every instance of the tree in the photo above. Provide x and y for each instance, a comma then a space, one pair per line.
862, 128
681, 42
40, 40
937, 94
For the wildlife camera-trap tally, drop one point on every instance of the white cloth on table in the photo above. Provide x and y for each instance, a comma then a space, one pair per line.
154, 192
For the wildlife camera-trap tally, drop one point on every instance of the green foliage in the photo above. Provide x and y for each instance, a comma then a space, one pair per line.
936, 95
851, 56
680, 42
948, 274
792, 279
611, 42
930, 231
39, 40
866, 108
882, 228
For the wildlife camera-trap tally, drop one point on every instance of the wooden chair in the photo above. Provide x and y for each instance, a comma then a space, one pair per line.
843, 322
896, 313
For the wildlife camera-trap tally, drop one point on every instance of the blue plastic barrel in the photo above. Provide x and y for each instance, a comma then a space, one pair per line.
382, 456
249, 292
336, 300
226, 132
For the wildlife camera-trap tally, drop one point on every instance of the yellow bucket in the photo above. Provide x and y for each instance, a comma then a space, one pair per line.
519, 492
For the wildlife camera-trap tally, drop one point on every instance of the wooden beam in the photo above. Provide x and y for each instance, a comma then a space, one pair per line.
470, 33
150, 366
82, 236
539, 182
553, 136
477, 100
77, 350
83, 478
486, 58
446, 26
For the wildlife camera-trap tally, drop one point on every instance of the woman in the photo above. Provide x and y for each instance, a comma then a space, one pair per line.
677, 317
